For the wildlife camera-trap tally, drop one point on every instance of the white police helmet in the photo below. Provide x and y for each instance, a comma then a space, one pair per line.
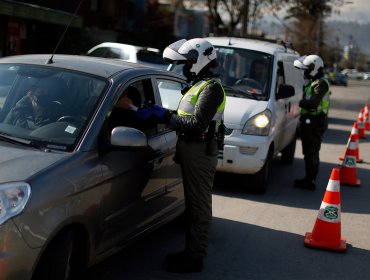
199, 52
310, 63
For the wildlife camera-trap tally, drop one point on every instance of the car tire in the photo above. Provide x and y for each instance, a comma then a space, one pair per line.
260, 180
287, 154
62, 260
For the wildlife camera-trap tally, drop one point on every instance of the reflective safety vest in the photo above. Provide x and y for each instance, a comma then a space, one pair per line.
190, 98
324, 104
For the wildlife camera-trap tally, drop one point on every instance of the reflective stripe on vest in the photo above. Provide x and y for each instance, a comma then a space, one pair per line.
324, 104
190, 98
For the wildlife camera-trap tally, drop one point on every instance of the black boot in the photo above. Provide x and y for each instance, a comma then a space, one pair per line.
305, 183
181, 263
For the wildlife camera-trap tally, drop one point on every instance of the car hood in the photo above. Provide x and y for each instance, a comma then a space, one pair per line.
19, 163
239, 110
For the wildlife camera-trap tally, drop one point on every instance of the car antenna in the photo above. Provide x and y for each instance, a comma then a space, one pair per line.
50, 61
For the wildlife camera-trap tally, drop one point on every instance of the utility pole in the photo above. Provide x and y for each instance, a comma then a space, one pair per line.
319, 39
245, 18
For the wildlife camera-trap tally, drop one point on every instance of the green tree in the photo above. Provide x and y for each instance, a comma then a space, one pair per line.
307, 29
227, 15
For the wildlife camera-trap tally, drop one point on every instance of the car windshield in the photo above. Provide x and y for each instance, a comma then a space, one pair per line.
243, 73
47, 108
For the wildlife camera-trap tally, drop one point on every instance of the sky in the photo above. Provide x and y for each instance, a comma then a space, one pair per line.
354, 10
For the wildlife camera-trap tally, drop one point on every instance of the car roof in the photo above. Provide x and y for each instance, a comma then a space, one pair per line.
250, 44
121, 45
103, 67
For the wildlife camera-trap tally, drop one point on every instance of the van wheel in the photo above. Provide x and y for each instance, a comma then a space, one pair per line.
261, 178
62, 260
287, 154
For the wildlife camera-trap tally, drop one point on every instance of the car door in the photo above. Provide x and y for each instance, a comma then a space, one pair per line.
168, 92
134, 190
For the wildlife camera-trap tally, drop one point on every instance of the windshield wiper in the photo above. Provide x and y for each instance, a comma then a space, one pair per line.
17, 140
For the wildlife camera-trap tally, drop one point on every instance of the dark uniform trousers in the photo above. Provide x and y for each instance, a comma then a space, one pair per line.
312, 132
198, 169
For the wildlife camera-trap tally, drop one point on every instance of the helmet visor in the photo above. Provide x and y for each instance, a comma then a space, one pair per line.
171, 53
180, 52
298, 63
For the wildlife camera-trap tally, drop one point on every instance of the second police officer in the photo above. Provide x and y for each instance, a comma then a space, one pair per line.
314, 116
198, 122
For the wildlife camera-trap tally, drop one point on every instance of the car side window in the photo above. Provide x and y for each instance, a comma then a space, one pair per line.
280, 79
124, 55
113, 53
141, 95
99, 52
170, 93
293, 76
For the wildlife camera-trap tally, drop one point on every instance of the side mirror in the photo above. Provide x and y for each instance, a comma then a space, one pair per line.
128, 137
285, 91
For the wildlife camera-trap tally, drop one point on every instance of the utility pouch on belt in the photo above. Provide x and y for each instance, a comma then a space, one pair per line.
209, 138
220, 135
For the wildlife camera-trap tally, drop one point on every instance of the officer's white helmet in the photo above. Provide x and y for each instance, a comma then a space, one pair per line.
197, 51
312, 63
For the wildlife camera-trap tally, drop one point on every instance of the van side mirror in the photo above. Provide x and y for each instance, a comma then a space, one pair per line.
285, 91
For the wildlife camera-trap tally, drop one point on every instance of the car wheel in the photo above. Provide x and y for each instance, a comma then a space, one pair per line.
62, 260
287, 154
261, 178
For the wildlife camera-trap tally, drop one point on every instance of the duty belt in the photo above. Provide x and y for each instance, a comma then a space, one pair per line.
193, 137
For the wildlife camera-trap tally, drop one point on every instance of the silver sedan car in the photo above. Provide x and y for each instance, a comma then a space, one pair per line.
79, 180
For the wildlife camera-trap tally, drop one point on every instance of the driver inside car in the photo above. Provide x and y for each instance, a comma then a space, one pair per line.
259, 72
37, 108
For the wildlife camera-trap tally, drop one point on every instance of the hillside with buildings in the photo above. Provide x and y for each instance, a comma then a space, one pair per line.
351, 32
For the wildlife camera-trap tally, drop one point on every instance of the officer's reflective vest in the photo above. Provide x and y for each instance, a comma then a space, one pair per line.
324, 104
190, 98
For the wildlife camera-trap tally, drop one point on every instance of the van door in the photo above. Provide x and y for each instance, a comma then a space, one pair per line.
281, 109
293, 77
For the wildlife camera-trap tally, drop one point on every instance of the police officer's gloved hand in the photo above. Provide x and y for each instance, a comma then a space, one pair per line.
144, 113
161, 114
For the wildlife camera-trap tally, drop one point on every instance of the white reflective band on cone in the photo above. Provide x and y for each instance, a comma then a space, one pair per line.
352, 145
333, 186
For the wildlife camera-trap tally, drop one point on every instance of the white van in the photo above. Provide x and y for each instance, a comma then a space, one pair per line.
261, 118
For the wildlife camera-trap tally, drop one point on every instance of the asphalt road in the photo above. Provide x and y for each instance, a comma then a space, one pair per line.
261, 236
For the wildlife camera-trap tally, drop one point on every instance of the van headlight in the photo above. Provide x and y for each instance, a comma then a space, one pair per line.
258, 124
13, 198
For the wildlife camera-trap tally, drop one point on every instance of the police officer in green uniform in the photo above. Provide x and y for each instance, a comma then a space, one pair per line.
314, 116
198, 124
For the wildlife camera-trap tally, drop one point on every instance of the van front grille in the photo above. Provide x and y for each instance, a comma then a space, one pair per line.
248, 150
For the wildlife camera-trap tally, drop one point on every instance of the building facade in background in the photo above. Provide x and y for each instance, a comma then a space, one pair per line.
36, 26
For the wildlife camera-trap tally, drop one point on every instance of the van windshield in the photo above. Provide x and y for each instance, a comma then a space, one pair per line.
243, 73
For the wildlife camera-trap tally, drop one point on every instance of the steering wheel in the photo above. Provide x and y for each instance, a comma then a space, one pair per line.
71, 119
248, 84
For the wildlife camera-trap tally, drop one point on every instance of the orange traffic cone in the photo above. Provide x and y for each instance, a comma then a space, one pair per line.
354, 137
366, 117
348, 173
326, 233
361, 126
